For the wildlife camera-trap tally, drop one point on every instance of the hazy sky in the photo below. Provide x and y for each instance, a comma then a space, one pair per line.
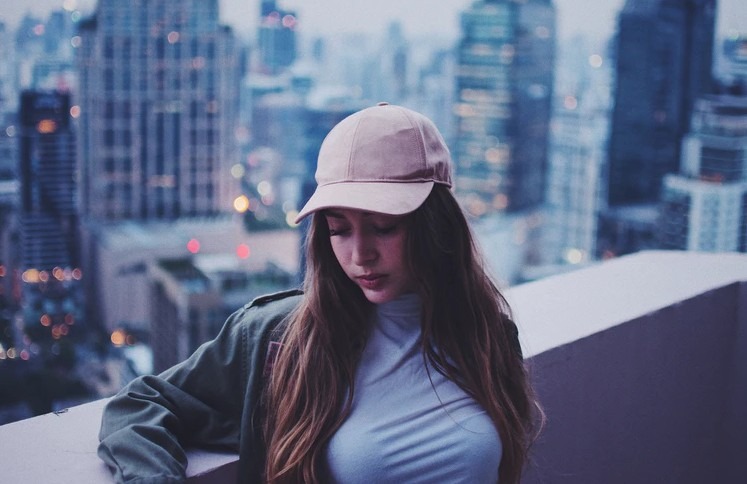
595, 17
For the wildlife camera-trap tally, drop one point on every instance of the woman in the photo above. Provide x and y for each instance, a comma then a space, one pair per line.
398, 363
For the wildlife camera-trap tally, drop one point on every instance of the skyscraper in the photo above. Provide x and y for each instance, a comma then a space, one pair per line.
193, 296
704, 207
277, 37
8, 75
663, 64
578, 153
48, 217
664, 57
385, 73
504, 83
735, 57
158, 103
47, 252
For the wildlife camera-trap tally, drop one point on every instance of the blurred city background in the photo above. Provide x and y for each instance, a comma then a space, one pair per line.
154, 153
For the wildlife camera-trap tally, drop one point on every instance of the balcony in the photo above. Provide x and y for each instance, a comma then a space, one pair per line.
640, 364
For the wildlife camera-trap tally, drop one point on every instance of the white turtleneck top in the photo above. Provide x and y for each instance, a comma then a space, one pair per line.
402, 428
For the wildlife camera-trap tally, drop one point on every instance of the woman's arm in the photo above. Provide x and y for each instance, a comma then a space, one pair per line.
199, 402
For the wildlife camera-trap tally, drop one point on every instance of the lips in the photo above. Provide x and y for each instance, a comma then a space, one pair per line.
371, 281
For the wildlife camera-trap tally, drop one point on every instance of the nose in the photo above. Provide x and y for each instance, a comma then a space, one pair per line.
364, 250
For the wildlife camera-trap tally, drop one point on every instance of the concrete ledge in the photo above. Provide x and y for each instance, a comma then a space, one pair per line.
561, 309
61, 448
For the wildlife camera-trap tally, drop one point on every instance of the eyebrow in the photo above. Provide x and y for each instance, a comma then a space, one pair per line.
338, 215
331, 214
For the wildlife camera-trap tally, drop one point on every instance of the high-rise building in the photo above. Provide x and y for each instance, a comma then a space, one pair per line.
278, 124
704, 207
735, 54
434, 92
58, 30
663, 64
126, 251
504, 84
29, 47
579, 133
664, 60
8, 76
47, 249
158, 105
191, 297
9, 199
29, 36
385, 68
277, 37
48, 216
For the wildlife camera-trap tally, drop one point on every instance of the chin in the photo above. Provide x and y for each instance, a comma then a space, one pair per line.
378, 297
378, 300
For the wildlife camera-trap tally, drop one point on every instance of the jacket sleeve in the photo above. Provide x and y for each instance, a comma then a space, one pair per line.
198, 402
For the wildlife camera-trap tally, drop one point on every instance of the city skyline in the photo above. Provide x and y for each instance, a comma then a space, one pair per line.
596, 18
156, 87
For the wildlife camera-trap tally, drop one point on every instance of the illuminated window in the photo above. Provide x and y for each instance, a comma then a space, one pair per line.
46, 126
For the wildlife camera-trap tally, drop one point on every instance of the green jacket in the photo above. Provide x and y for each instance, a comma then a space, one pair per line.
211, 400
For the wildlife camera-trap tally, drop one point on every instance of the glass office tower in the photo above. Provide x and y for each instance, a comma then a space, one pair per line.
504, 79
158, 109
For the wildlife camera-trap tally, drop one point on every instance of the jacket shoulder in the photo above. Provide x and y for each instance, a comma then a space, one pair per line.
271, 310
291, 296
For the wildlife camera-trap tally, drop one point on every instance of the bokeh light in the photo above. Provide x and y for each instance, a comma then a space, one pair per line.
243, 251
193, 246
118, 337
290, 218
238, 171
241, 203
570, 103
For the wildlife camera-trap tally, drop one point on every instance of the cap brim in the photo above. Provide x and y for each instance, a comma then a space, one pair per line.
387, 198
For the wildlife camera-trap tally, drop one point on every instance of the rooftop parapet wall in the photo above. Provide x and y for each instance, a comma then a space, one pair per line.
640, 364
652, 400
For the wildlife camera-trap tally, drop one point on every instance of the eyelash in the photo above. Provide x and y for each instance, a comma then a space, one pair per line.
333, 232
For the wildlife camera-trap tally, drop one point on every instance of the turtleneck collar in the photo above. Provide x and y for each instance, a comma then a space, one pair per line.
404, 306
399, 319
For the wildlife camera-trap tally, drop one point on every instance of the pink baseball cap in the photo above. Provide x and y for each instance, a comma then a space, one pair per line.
383, 159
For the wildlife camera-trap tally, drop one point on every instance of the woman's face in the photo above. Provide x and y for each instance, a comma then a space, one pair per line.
370, 248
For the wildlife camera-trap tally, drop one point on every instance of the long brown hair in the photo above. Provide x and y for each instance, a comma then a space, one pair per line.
467, 336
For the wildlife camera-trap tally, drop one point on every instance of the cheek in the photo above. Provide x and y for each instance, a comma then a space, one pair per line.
397, 250
398, 259
338, 248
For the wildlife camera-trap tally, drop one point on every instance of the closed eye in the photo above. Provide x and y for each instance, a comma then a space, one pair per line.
338, 231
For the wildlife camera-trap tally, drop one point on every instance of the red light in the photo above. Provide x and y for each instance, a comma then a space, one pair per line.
289, 21
243, 251
193, 246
